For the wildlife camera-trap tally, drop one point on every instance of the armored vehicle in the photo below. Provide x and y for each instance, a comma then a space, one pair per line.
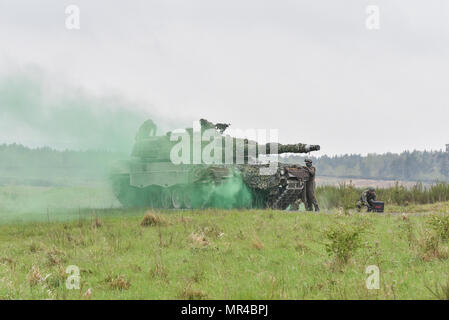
163, 174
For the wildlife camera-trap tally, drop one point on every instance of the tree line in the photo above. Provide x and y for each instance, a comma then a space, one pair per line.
46, 166
426, 166
21, 164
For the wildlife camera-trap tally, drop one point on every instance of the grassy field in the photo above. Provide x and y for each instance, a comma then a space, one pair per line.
220, 254
227, 254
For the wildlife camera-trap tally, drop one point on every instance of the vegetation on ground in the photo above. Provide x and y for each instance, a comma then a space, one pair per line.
226, 254
346, 195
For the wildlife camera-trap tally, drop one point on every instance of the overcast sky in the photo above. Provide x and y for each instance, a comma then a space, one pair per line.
308, 68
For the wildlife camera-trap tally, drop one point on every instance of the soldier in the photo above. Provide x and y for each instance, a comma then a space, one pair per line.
310, 186
147, 129
366, 199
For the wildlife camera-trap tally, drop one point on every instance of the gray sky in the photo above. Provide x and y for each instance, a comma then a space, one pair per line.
308, 68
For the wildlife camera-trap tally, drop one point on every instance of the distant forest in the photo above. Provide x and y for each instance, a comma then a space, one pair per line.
49, 167
45, 166
425, 166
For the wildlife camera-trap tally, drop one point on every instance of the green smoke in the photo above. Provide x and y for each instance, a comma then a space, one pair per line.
37, 110
232, 193
34, 107
227, 194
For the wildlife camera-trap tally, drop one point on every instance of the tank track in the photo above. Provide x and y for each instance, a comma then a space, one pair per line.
276, 192
289, 195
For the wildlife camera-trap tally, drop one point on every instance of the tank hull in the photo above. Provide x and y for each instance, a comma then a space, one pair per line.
138, 183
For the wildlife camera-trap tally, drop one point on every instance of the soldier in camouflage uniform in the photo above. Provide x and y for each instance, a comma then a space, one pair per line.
147, 129
310, 187
366, 199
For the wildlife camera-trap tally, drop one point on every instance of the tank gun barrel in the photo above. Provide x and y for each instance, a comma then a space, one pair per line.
250, 149
290, 148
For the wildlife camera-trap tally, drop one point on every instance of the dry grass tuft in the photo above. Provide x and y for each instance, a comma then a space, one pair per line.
97, 223
441, 291
35, 277
301, 247
118, 282
256, 243
152, 219
34, 247
199, 239
88, 293
55, 257
158, 271
211, 230
185, 220
192, 294
8, 262
430, 247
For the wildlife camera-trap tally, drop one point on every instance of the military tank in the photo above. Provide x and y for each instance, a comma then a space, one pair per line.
237, 179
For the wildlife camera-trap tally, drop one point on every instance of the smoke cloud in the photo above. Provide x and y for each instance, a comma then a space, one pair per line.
37, 109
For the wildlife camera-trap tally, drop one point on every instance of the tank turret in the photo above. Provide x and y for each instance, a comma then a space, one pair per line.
158, 148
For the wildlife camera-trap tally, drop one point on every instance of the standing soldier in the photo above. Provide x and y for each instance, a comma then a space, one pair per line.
310, 186
147, 129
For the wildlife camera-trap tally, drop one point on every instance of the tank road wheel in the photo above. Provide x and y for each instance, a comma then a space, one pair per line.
187, 195
124, 192
243, 200
154, 195
197, 196
258, 200
165, 199
177, 198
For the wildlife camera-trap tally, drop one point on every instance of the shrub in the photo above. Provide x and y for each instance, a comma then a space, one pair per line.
346, 195
429, 246
440, 224
151, 219
344, 239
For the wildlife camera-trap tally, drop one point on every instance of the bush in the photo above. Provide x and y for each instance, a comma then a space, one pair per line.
344, 239
440, 224
151, 219
430, 247
346, 195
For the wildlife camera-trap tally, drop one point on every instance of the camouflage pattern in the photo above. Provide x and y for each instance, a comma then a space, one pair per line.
221, 127
366, 199
158, 148
149, 178
296, 205
293, 148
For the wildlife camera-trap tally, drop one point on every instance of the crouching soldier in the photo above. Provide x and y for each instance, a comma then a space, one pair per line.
366, 199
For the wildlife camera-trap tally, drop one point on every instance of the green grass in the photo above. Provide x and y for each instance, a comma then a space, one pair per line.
224, 254
218, 254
